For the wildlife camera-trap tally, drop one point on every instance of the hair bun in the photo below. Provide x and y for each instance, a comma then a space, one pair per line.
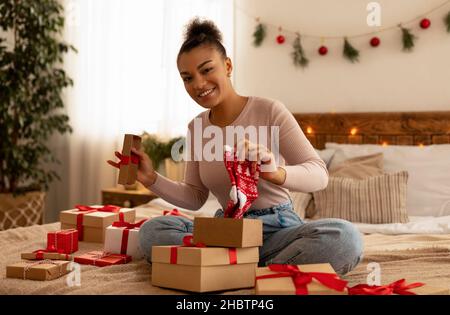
200, 30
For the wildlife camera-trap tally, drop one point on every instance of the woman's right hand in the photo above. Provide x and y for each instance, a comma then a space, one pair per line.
146, 174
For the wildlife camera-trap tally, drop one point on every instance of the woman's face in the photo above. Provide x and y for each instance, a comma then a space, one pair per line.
205, 75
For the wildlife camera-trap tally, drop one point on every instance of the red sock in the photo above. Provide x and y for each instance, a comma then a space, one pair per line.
247, 186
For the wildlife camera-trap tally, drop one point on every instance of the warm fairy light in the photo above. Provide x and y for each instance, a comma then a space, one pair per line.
309, 130
384, 144
421, 145
353, 131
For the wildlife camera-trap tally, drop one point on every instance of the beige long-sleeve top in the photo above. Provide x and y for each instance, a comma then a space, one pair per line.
305, 170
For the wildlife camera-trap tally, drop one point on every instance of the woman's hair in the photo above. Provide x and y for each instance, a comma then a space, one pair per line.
200, 33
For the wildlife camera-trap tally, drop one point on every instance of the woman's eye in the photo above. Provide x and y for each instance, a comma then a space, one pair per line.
207, 70
186, 79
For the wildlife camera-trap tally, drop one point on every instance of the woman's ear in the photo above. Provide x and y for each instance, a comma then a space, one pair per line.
228, 66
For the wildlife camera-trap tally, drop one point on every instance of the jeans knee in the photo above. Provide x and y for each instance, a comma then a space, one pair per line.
350, 245
164, 230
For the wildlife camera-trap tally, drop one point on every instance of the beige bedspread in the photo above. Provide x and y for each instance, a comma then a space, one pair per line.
422, 258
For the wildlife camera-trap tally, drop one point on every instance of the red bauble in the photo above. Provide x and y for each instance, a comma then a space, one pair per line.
375, 41
425, 23
323, 50
280, 39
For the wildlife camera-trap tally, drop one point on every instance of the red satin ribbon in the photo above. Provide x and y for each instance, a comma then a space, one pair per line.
398, 287
126, 231
87, 209
302, 279
175, 212
126, 159
188, 242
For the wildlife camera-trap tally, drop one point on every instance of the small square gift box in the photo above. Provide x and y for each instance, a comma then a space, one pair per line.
42, 254
123, 238
101, 259
197, 268
91, 222
64, 241
399, 287
38, 270
312, 279
228, 232
129, 162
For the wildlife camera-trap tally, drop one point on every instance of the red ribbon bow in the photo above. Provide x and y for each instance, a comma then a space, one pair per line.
398, 287
302, 279
175, 212
87, 209
126, 159
51, 249
126, 231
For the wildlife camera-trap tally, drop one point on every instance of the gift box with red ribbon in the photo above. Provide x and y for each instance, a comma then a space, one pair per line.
65, 241
123, 238
129, 162
38, 270
228, 232
311, 279
43, 254
197, 268
91, 221
101, 259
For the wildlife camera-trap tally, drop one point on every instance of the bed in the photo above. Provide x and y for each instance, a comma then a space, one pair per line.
417, 251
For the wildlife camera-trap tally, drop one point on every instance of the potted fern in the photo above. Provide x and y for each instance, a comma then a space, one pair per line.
31, 83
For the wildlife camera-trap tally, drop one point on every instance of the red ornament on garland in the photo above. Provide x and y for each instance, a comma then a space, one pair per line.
425, 23
280, 39
323, 50
375, 41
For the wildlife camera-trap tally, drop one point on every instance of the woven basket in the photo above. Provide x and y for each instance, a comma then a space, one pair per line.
23, 210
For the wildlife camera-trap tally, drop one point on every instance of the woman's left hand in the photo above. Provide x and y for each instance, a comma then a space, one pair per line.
258, 153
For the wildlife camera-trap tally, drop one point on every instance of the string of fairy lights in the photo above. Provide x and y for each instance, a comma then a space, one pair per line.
407, 28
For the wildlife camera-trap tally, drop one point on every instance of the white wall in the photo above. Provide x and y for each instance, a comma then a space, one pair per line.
385, 79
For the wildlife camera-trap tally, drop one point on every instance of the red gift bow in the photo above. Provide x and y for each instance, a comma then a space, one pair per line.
88, 209
51, 249
188, 242
302, 279
126, 231
398, 287
175, 212
125, 159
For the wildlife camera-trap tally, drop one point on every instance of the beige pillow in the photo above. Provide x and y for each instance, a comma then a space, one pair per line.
357, 168
375, 200
300, 201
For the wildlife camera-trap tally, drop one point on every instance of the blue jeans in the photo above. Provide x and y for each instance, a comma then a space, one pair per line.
287, 238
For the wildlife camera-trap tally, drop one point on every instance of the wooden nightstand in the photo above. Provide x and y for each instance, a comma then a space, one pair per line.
126, 198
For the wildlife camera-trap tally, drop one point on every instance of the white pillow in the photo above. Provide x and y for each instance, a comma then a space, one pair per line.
428, 167
326, 155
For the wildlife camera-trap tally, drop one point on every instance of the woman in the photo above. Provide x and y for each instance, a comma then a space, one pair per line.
205, 69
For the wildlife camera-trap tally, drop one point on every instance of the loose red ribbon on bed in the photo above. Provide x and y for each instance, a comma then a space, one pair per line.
126, 231
302, 279
87, 209
188, 242
398, 287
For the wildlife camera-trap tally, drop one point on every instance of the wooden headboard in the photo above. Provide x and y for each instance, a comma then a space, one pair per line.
400, 128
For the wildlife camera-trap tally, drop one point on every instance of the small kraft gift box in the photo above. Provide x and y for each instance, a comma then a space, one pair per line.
91, 222
65, 241
129, 163
42, 254
38, 270
123, 238
228, 232
203, 269
102, 259
311, 279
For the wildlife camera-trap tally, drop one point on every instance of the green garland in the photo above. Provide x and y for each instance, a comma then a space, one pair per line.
447, 21
408, 39
350, 52
259, 35
298, 55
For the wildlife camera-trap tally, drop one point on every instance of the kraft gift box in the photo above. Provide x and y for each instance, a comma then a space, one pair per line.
203, 269
281, 283
41, 270
129, 163
92, 224
41, 255
228, 232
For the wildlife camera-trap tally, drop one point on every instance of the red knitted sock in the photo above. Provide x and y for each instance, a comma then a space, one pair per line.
247, 186
229, 160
